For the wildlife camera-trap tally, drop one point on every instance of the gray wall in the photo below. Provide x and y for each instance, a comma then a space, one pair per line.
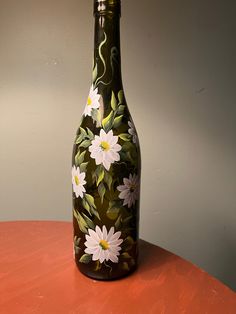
179, 75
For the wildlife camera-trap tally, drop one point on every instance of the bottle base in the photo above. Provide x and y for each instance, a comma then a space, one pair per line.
104, 277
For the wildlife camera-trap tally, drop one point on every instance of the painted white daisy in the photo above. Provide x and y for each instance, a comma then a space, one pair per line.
102, 245
132, 132
92, 102
130, 190
104, 149
78, 181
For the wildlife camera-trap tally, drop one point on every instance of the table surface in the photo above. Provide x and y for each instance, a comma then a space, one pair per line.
38, 275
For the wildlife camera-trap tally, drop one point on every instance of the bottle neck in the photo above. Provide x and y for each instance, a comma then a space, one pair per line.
107, 60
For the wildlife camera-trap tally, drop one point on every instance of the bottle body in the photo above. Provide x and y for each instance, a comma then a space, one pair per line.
106, 167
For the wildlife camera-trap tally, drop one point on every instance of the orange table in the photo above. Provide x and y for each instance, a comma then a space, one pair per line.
38, 275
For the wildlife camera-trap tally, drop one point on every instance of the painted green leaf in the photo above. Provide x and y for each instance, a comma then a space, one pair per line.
85, 144
128, 146
82, 131
76, 249
98, 265
108, 179
76, 245
86, 258
113, 212
128, 243
96, 116
95, 213
121, 97
79, 158
126, 255
117, 121
118, 223
86, 206
79, 139
83, 167
90, 134
125, 266
81, 222
93, 177
95, 73
108, 121
89, 221
132, 262
100, 175
76, 158
127, 220
113, 101
76, 240
89, 198
101, 191
121, 109
125, 137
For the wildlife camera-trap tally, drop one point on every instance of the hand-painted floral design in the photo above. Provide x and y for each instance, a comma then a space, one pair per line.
92, 102
104, 149
102, 245
130, 190
132, 132
78, 181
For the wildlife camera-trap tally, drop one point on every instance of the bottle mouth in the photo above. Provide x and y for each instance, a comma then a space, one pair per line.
104, 7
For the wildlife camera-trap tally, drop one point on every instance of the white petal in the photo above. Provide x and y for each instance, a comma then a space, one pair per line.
127, 182
124, 194
115, 243
125, 202
76, 193
73, 171
89, 250
82, 176
93, 235
104, 231
90, 239
96, 254
91, 90
115, 249
110, 233
122, 188
116, 147
115, 236
113, 156
130, 203
103, 134
110, 135
106, 164
99, 159
102, 256
91, 244
113, 140
113, 258
99, 232
106, 253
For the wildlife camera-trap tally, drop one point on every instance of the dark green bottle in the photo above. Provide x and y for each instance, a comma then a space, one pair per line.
106, 163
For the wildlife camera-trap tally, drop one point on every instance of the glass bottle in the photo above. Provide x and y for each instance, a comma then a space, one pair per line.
106, 163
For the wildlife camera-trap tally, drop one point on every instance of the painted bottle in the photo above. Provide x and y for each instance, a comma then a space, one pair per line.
106, 163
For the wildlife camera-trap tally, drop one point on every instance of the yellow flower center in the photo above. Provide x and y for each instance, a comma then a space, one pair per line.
76, 180
104, 244
89, 102
105, 146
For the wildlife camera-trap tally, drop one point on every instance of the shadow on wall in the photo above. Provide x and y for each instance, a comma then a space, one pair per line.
185, 65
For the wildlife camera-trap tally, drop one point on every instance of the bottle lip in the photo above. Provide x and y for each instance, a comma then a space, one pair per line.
104, 7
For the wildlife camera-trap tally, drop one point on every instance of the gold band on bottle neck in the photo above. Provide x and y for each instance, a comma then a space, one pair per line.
104, 7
